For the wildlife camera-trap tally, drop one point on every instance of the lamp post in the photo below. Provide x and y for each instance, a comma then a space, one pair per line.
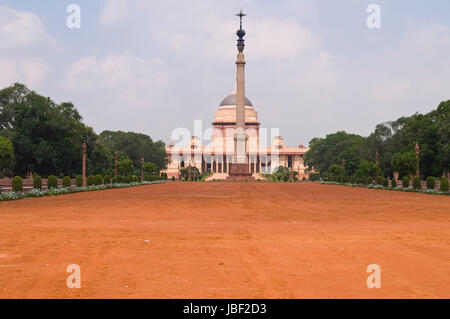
377, 155
116, 154
343, 165
142, 169
417, 150
84, 147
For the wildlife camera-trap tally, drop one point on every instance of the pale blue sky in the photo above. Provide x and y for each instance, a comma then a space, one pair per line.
151, 66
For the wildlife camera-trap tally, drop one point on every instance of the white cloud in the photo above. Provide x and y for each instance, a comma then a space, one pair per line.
114, 11
31, 71
22, 36
295, 79
129, 80
21, 30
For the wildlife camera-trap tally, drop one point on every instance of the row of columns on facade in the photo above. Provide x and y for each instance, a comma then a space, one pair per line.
219, 167
116, 160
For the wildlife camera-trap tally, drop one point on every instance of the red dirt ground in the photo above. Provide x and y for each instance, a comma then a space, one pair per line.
227, 240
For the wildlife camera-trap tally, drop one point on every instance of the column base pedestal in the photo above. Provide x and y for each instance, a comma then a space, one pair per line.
239, 172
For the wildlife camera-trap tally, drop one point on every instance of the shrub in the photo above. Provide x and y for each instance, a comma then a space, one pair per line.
66, 182
128, 179
17, 184
417, 183
98, 179
164, 176
90, 180
118, 179
393, 183
79, 181
379, 180
444, 184
430, 182
364, 180
52, 182
405, 181
37, 182
107, 180
173, 178
385, 182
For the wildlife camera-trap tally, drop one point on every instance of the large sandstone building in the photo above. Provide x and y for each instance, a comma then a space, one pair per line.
227, 146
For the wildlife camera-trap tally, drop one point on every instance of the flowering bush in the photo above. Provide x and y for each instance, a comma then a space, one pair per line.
35, 192
6, 196
409, 189
10, 196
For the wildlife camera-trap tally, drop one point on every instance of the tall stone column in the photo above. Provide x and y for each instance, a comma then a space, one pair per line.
84, 163
240, 138
240, 169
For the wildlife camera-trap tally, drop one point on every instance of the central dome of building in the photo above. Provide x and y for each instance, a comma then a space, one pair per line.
230, 100
226, 113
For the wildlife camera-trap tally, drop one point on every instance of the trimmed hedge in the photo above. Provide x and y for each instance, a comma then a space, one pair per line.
37, 182
431, 182
444, 184
393, 183
17, 184
417, 183
7, 196
127, 179
151, 178
52, 182
79, 181
405, 181
385, 182
90, 180
364, 180
107, 180
98, 179
379, 180
66, 182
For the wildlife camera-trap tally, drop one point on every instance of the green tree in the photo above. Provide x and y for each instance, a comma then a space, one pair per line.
195, 173
150, 168
404, 163
135, 145
125, 167
367, 169
6, 155
46, 136
336, 170
331, 150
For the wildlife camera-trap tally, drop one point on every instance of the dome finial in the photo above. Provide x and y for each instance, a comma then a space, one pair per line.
240, 33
